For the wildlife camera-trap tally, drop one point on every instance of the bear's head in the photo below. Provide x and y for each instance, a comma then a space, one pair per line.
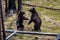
21, 13
32, 10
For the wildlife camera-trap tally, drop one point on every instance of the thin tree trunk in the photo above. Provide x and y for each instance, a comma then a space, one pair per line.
0, 20
0, 28
19, 5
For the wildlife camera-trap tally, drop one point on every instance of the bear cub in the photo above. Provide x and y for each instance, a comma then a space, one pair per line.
35, 19
20, 20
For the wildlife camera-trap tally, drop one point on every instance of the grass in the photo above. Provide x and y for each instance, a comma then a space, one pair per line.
53, 14
47, 26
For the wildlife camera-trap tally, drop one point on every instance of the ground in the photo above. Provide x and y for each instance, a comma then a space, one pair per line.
50, 20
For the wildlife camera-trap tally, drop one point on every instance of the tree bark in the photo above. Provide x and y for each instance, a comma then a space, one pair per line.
0, 21
0, 28
19, 5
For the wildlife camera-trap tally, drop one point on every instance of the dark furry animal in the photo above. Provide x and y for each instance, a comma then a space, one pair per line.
20, 20
36, 19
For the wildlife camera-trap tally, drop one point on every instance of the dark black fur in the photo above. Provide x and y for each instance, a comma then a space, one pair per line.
36, 19
20, 20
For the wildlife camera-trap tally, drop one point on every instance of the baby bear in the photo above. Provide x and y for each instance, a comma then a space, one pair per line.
35, 19
20, 20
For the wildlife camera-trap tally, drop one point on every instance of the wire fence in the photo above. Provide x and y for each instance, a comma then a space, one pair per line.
15, 32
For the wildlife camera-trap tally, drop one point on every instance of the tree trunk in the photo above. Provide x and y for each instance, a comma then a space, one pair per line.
19, 5
0, 28
0, 20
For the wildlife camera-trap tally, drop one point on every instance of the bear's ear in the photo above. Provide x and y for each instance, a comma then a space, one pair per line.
21, 12
31, 10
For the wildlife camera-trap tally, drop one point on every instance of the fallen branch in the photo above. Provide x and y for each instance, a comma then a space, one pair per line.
41, 7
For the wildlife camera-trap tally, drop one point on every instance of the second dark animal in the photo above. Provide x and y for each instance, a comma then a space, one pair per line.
36, 19
20, 20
